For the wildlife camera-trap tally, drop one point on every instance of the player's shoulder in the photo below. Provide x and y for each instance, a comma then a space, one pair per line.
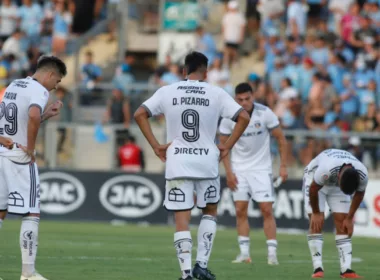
261, 107
29, 84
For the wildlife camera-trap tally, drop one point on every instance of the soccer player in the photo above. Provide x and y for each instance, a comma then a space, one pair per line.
21, 112
249, 172
192, 109
334, 176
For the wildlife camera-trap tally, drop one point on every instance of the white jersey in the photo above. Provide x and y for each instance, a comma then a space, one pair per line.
192, 110
325, 168
252, 150
19, 96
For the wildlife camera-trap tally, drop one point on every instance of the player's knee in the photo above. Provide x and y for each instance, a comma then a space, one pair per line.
211, 209
32, 215
241, 213
266, 211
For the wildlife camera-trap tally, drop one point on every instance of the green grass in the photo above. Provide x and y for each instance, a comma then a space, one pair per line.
96, 251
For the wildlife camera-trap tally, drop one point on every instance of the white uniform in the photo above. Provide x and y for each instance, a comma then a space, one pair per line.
324, 170
19, 181
250, 157
192, 110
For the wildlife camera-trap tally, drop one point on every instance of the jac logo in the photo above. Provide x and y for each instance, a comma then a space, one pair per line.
376, 206
61, 193
130, 196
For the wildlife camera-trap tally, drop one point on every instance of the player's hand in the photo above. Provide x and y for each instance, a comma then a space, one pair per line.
6, 142
316, 222
283, 173
348, 226
231, 181
53, 109
224, 150
160, 151
28, 152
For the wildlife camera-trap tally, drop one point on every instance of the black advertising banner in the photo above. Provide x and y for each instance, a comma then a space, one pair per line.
106, 196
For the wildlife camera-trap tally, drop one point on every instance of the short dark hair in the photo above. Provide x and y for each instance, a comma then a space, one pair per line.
52, 62
349, 180
131, 138
195, 61
243, 88
89, 53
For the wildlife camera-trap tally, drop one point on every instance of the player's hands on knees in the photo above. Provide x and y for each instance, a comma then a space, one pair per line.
316, 222
160, 151
283, 173
348, 226
28, 152
232, 181
6, 142
224, 150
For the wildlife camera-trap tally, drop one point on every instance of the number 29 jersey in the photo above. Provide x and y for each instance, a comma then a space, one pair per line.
19, 96
192, 110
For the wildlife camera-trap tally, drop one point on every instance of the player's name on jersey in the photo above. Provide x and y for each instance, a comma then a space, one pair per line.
192, 89
10, 95
191, 151
198, 101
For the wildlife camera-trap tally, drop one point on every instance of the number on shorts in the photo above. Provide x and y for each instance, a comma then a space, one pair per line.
10, 114
190, 121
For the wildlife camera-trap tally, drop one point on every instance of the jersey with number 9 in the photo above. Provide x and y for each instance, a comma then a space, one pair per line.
192, 110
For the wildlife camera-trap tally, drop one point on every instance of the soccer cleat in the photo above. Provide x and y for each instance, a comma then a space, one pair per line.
272, 260
242, 259
318, 273
350, 274
187, 278
35, 276
202, 273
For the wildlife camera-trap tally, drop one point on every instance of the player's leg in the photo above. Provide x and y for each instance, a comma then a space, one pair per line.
339, 204
24, 199
208, 196
314, 239
3, 194
179, 197
241, 197
262, 190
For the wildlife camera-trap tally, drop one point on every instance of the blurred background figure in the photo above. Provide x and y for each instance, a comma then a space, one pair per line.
131, 156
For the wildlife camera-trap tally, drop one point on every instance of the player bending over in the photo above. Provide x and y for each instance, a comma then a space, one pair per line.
192, 109
21, 111
249, 174
333, 177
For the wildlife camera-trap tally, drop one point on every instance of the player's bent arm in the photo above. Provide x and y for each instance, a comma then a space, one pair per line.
141, 117
241, 124
226, 160
281, 140
313, 195
355, 203
33, 126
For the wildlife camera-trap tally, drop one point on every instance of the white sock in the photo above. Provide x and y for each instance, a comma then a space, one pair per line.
1, 223
344, 246
183, 244
28, 244
206, 236
272, 247
244, 245
315, 242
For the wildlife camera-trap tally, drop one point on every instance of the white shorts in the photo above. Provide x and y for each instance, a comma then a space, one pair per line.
19, 187
337, 201
256, 185
179, 194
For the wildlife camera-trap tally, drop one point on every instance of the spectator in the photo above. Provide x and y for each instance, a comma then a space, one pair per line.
317, 10
369, 53
254, 81
13, 45
65, 114
131, 156
286, 94
306, 78
118, 113
91, 73
8, 19
129, 61
355, 147
350, 22
206, 44
233, 29
357, 38
293, 71
326, 34
348, 99
338, 9
344, 51
85, 13
61, 27
172, 76
367, 97
277, 75
271, 12
336, 70
123, 76
31, 15
297, 20
217, 73
320, 52
272, 48
363, 75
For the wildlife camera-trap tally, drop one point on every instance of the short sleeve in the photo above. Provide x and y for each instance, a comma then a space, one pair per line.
321, 175
229, 108
363, 174
271, 120
39, 100
225, 127
154, 104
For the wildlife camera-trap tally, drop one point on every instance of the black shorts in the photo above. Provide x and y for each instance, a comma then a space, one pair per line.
315, 10
232, 45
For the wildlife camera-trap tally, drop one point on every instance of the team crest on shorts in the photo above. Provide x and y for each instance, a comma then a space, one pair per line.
210, 192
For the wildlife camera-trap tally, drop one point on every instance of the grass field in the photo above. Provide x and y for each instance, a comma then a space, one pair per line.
96, 251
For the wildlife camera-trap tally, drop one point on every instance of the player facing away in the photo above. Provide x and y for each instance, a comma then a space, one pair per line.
192, 109
249, 172
21, 112
334, 176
